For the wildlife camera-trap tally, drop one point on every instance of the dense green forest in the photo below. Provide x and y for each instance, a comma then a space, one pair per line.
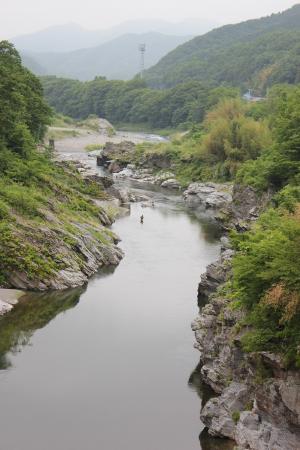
253, 54
132, 101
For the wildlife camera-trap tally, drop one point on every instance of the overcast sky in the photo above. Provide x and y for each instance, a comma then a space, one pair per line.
24, 16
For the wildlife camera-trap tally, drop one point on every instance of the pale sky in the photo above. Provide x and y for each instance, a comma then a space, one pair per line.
25, 16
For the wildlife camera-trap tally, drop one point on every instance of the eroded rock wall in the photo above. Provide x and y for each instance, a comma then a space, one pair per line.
257, 400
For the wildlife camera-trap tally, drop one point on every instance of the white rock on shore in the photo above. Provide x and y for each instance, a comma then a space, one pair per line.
208, 195
9, 298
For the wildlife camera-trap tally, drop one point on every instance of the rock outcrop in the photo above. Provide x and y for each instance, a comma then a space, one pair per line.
116, 156
233, 206
257, 400
165, 179
80, 251
72, 249
210, 196
152, 168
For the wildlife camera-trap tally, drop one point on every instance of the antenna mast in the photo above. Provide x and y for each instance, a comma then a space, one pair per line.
142, 50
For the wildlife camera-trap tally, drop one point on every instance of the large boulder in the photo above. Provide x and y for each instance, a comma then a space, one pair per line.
208, 195
171, 184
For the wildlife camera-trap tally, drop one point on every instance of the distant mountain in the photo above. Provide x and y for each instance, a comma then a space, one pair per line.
33, 65
69, 37
116, 59
255, 53
60, 38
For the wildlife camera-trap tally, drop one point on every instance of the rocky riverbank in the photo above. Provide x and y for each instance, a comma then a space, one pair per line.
122, 161
65, 242
257, 399
233, 206
257, 402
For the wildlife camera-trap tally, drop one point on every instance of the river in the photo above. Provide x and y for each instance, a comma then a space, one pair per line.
110, 366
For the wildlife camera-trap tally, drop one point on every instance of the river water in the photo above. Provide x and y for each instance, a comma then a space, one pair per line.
109, 366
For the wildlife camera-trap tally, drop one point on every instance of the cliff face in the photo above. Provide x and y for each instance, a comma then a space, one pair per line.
233, 206
257, 402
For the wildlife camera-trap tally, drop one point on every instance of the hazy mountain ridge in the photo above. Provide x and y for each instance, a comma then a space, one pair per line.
213, 56
70, 37
116, 59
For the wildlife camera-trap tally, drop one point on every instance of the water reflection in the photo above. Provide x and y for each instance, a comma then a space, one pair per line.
34, 311
208, 442
205, 393
203, 390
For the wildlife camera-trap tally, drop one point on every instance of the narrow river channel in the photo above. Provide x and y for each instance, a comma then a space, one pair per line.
107, 367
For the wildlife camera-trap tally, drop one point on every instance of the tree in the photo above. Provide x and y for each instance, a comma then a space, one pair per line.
24, 112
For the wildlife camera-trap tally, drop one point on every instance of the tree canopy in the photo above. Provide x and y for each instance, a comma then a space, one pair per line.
24, 113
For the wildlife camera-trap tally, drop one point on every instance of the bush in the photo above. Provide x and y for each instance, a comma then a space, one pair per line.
266, 279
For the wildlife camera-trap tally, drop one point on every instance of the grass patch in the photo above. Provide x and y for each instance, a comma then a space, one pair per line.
25, 200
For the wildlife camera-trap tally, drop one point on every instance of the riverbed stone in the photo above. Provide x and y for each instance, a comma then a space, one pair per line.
171, 184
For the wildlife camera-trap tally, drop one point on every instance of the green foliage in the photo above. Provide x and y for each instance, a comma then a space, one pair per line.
4, 210
266, 279
93, 147
236, 416
279, 164
132, 102
24, 113
231, 137
216, 149
20, 255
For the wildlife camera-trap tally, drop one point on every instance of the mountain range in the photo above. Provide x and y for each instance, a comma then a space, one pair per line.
71, 36
71, 51
115, 59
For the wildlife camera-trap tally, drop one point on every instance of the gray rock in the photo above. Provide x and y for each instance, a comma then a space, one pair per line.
171, 184
218, 412
254, 433
114, 167
209, 195
4, 307
270, 411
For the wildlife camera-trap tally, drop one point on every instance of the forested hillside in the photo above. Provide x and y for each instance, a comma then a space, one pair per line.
133, 102
256, 53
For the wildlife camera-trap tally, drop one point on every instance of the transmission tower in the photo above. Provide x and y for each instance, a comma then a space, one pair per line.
142, 50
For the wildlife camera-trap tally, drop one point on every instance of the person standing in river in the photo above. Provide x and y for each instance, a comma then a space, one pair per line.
142, 218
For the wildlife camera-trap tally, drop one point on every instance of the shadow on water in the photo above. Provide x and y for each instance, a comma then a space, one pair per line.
205, 393
34, 312
208, 442
203, 390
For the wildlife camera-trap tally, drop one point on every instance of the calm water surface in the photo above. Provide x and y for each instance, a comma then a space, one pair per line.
107, 367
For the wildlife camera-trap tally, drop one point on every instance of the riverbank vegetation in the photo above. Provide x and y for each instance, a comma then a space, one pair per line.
43, 206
